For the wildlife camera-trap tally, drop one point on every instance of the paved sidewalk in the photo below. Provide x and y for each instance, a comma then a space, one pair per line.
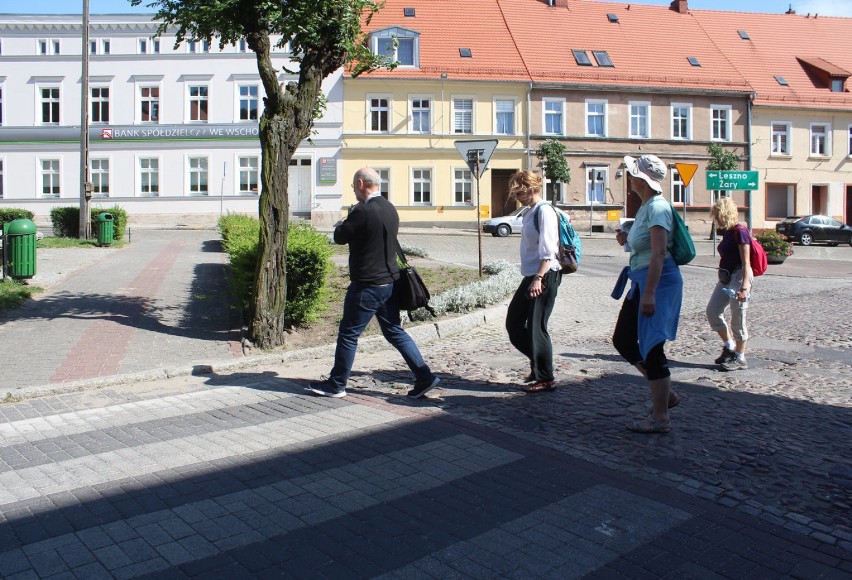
219, 465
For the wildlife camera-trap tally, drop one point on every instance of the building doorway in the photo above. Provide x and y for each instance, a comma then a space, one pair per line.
299, 186
847, 217
819, 199
500, 203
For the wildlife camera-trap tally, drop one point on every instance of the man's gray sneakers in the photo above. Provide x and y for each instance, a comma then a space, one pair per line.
421, 389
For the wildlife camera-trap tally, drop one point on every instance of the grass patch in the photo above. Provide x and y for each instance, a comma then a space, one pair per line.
56, 242
13, 293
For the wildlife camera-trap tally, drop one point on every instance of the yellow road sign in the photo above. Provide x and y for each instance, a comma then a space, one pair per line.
686, 170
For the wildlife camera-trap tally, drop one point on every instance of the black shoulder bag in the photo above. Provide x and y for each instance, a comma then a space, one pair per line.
411, 291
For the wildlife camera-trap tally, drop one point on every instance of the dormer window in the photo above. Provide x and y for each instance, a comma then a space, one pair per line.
400, 44
836, 85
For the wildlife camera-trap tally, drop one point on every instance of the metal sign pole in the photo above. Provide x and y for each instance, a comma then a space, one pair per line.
475, 153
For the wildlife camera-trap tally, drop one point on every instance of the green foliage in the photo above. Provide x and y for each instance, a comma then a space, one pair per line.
66, 221
722, 159
308, 264
552, 153
14, 293
775, 244
9, 214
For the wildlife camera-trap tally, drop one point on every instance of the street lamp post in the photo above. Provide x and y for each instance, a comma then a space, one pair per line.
85, 186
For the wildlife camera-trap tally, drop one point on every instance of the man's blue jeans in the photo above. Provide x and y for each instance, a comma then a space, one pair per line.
359, 307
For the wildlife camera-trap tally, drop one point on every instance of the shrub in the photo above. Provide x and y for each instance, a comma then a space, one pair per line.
66, 221
12, 213
308, 264
774, 243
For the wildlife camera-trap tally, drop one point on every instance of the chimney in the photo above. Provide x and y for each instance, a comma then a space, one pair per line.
680, 6
790, 10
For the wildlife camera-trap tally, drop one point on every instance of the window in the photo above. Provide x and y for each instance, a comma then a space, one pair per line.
198, 103
50, 177
693, 61
46, 47
49, 105
553, 191
836, 85
462, 187
596, 118
721, 123
1, 105
149, 176
150, 104
553, 116
640, 114
242, 45
581, 57
820, 139
99, 169
781, 81
463, 116
2, 193
197, 175
421, 186
505, 117
421, 118
149, 46
400, 49
248, 102
681, 121
99, 46
196, 47
681, 194
596, 180
100, 104
849, 151
465, 53
602, 58
780, 138
379, 114
248, 175
384, 182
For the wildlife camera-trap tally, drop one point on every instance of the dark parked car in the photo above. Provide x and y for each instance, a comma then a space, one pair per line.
815, 228
507, 224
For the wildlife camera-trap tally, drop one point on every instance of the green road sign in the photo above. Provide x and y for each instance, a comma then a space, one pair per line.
743, 180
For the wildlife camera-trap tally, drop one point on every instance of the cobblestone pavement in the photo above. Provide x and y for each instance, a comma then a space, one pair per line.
239, 473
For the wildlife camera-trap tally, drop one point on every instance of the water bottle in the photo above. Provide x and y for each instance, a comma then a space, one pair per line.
732, 293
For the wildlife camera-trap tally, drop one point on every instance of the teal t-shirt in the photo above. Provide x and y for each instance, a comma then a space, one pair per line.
655, 212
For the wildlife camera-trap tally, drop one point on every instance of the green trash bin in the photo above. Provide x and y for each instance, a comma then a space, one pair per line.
106, 228
21, 252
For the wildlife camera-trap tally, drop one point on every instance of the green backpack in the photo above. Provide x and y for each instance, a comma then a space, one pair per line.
682, 250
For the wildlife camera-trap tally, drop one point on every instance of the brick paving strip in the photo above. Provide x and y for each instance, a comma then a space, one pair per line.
244, 475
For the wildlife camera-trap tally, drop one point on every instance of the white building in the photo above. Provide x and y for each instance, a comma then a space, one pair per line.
173, 131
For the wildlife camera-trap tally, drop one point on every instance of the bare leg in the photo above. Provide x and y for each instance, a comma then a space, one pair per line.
660, 392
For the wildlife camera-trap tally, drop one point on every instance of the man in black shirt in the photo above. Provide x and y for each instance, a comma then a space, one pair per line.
371, 232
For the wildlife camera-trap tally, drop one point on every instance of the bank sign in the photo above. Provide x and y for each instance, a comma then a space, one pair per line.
728, 180
130, 133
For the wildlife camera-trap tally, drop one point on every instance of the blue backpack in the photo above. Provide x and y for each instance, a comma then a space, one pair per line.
570, 246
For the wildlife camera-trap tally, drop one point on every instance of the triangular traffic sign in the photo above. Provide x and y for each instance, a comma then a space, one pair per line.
471, 149
686, 170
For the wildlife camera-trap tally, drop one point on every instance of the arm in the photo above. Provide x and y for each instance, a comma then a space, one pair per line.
548, 245
745, 257
344, 233
536, 288
659, 243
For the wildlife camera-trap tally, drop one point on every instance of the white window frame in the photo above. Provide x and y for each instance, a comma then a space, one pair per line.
848, 151
678, 185
590, 184
48, 47
646, 105
826, 138
388, 113
94, 173
402, 35
545, 114
788, 134
415, 180
40, 102
190, 99
688, 107
41, 173
148, 46
238, 99
2, 103
472, 112
100, 46
139, 172
238, 174
190, 170
514, 101
198, 47
242, 45
2, 177
714, 122
419, 111
384, 181
140, 100
93, 101
587, 117
550, 186
466, 181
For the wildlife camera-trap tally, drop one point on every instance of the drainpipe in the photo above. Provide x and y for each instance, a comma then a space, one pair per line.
749, 194
529, 135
